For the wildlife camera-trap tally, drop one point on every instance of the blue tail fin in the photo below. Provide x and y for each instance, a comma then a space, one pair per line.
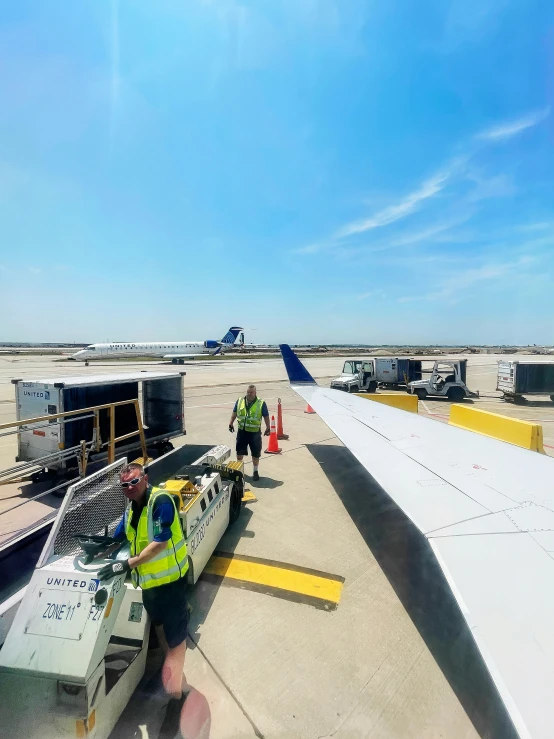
298, 374
231, 335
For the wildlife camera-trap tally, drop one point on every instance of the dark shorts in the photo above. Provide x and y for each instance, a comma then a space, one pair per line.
252, 439
167, 606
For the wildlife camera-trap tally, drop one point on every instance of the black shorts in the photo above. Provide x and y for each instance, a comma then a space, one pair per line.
252, 439
167, 606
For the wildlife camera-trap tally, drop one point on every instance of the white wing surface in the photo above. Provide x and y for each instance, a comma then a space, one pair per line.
487, 510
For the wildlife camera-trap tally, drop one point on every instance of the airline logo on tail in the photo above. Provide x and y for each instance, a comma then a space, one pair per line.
231, 335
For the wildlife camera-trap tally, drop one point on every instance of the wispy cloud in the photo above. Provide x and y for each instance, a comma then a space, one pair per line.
309, 249
511, 128
428, 189
462, 281
372, 294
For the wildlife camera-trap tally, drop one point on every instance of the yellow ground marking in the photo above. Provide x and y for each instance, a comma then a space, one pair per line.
278, 578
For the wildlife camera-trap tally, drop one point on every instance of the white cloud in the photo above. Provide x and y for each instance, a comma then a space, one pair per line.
462, 281
309, 249
511, 128
409, 204
372, 294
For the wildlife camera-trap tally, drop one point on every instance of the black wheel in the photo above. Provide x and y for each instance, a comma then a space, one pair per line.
455, 394
235, 504
552, 398
421, 393
372, 387
353, 389
166, 447
519, 399
43, 476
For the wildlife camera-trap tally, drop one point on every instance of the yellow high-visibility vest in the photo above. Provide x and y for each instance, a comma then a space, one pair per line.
249, 418
171, 563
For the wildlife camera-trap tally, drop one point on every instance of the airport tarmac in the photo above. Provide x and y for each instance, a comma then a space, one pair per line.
394, 659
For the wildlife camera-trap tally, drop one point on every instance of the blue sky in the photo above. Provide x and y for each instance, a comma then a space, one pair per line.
371, 171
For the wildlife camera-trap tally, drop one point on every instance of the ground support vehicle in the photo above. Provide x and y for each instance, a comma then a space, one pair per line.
447, 379
357, 376
76, 649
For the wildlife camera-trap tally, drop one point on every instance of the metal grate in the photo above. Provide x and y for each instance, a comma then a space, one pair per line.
89, 506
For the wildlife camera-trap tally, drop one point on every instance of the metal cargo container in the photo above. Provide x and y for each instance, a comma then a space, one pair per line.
397, 371
160, 396
517, 378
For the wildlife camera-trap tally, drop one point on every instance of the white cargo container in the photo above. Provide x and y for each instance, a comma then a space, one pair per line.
160, 395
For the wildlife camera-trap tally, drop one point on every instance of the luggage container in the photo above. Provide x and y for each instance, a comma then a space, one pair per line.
516, 379
160, 397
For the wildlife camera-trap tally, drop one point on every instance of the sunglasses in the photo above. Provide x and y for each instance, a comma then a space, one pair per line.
132, 483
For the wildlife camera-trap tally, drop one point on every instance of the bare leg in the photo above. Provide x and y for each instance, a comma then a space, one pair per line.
255, 461
240, 457
173, 676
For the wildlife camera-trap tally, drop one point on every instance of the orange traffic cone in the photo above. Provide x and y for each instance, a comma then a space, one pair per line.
280, 433
273, 446
309, 409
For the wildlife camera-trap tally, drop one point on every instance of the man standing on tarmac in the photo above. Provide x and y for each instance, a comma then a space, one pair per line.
249, 411
158, 564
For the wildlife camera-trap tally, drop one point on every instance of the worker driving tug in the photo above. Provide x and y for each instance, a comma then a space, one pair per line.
249, 412
158, 564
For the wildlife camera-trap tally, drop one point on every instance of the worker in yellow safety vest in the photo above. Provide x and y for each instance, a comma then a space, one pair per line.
158, 564
249, 412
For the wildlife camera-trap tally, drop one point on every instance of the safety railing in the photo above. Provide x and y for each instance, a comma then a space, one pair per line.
81, 451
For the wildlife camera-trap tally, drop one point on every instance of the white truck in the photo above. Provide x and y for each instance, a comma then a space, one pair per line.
357, 376
365, 375
77, 647
447, 380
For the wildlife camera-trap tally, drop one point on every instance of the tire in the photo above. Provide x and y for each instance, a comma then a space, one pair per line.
353, 389
455, 394
421, 393
372, 388
552, 398
235, 504
166, 447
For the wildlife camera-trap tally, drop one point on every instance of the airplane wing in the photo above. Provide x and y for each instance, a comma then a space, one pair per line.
487, 510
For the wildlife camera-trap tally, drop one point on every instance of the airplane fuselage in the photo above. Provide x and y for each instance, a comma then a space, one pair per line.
148, 348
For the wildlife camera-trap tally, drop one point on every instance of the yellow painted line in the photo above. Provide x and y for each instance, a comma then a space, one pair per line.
278, 578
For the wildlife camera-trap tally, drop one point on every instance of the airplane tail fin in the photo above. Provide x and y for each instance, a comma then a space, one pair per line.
231, 335
298, 374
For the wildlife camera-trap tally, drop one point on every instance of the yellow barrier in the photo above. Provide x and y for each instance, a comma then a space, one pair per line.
521, 433
403, 401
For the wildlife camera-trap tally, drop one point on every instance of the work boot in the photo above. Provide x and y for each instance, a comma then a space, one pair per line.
256, 476
170, 728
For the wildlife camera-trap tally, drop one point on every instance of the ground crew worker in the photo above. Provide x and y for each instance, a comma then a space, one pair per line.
249, 411
158, 564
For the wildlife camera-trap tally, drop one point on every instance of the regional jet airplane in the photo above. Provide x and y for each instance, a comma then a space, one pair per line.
177, 351
486, 509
